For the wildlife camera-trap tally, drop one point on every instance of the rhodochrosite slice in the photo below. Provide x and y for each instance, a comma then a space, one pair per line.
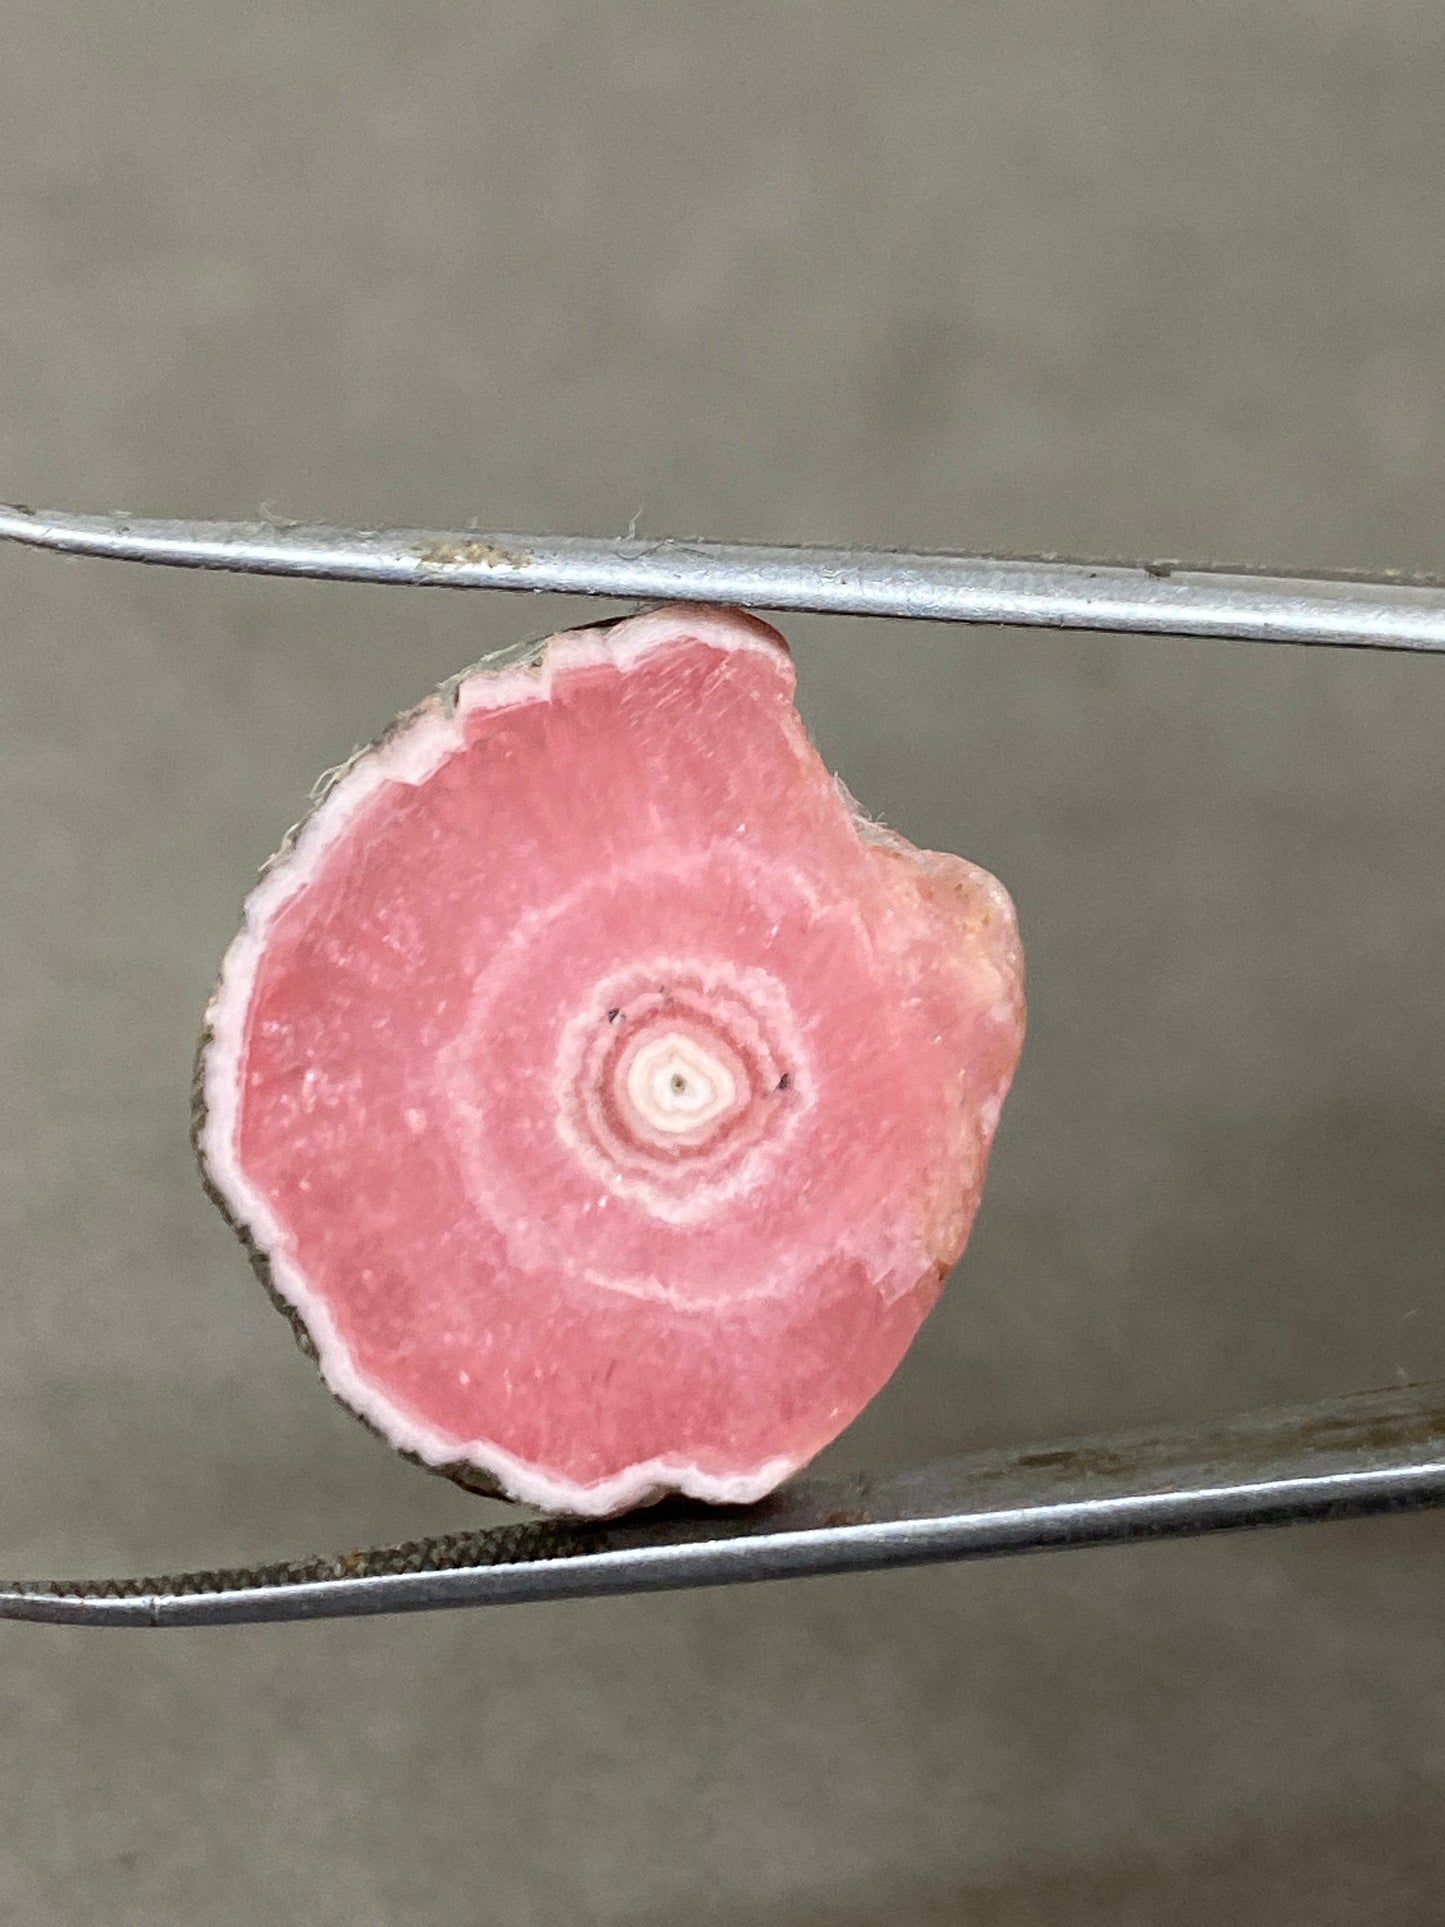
605, 1098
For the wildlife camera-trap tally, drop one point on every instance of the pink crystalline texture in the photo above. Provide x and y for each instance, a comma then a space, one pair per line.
606, 1098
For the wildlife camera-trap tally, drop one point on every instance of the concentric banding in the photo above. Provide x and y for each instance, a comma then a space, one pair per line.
675, 1080
673, 1089
604, 1098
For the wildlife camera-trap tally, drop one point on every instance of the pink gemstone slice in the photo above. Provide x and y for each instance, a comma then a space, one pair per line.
605, 1097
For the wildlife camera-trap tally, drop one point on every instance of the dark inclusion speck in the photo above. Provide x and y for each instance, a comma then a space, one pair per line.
785, 1082
613, 1015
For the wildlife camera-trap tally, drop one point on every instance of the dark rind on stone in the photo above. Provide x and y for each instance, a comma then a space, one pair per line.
531, 654
459, 1471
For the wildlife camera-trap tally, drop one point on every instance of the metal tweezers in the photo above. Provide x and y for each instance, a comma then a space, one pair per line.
1369, 1452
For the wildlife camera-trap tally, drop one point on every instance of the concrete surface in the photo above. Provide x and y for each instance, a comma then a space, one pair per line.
1163, 279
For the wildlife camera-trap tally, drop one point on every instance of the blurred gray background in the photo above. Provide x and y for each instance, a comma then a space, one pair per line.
1162, 279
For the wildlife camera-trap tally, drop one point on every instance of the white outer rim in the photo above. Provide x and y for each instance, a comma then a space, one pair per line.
416, 751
